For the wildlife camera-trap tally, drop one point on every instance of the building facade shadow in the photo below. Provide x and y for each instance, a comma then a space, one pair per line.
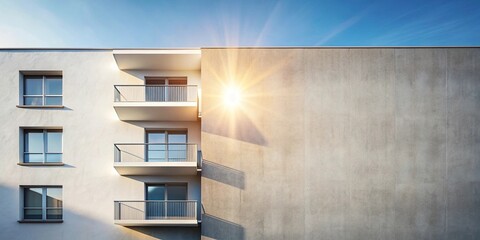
223, 174
217, 228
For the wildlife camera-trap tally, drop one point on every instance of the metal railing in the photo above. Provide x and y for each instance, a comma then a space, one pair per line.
156, 210
155, 93
156, 152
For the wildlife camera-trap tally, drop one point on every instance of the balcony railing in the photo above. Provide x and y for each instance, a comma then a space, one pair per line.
156, 152
156, 210
155, 93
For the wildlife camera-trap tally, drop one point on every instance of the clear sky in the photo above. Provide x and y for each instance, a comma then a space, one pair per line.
176, 23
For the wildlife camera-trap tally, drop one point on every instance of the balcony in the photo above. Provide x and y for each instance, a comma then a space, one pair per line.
156, 159
156, 102
156, 213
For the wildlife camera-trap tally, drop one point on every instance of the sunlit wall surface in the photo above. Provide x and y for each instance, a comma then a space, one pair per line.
341, 143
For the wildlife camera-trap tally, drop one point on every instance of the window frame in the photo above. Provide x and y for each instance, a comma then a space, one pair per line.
44, 206
45, 152
43, 95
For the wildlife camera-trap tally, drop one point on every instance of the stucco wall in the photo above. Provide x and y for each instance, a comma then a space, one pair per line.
342, 144
90, 128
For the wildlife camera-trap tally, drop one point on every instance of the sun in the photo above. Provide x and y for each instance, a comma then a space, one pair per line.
232, 96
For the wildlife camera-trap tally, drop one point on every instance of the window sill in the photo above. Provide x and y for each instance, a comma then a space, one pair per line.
40, 106
40, 221
41, 164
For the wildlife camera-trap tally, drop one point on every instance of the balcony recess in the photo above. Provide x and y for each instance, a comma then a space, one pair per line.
156, 159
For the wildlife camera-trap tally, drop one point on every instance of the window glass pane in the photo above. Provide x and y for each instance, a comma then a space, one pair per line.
53, 85
53, 157
34, 141
177, 192
54, 142
54, 197
155, 193
33, 101
53, 100
32, 197
177, 153
177, 138
156, 137
54, 213
32, 214
33, 157
157, 147
156, 156
33, 85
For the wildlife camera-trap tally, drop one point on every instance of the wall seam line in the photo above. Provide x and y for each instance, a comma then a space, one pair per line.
394, 136
446, 145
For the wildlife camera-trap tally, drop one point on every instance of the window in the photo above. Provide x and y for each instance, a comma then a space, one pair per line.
168, 191
42, 203
39, 90
42, 146
166, 200
166, 146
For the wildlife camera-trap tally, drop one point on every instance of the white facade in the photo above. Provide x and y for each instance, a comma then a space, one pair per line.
90, 129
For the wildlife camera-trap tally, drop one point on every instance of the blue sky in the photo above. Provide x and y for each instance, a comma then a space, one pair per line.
175, 23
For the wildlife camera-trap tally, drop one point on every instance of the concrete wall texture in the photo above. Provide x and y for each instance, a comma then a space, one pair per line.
380, 143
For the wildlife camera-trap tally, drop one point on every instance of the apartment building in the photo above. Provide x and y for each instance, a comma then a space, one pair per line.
240, 143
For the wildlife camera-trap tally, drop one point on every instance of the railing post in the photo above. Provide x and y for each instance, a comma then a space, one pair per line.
199, 158
116, 94
166, 209
117, 210
117, 153
195, 210
167, 157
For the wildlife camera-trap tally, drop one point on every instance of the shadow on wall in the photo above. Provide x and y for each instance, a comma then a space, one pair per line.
217, 228
49, 166
235, 124
49, 109
77, 225
223, 174
169, 232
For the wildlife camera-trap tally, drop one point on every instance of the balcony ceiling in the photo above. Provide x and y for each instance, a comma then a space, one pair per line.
157, 111
173, 60
156, 168
164, 223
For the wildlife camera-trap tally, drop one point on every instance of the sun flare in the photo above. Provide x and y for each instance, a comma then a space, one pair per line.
232, 96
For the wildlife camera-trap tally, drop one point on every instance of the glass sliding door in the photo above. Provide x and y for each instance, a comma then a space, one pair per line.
166, 146
166, 200
156, 152
155, 90
176, 206
177, 89
177, 148
155, 204
166, 89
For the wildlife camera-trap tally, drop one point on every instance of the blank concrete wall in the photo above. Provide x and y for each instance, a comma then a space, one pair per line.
342, 143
